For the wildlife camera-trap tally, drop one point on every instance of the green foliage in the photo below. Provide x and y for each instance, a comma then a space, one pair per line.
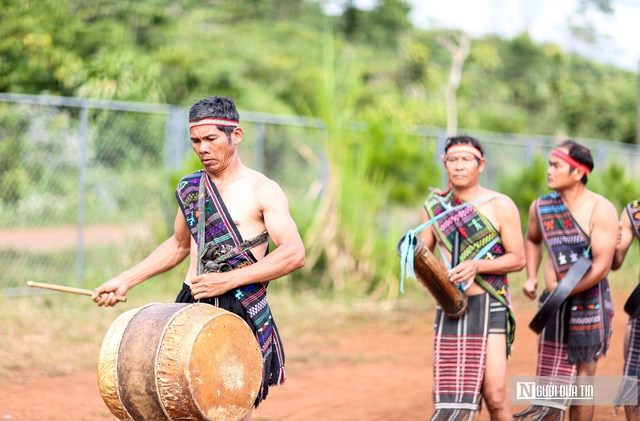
180, 51
614, 183
341, 239
13, 175
526, 185
406, 161
383, 25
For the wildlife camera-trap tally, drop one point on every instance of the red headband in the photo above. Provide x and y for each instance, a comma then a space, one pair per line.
210, 121
463, 148
572, 162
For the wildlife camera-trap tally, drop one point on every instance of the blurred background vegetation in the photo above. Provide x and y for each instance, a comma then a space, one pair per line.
266, 54
288, 57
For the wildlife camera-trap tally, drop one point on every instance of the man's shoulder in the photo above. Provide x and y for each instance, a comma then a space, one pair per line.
499, 199
602, 203
436, 197
256, 179
258, 185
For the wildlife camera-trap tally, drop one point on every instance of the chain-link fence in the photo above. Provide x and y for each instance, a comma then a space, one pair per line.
84, 184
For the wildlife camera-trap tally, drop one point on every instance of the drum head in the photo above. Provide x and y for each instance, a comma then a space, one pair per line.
225, 368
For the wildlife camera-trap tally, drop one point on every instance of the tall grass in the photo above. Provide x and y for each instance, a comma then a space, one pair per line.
349, 240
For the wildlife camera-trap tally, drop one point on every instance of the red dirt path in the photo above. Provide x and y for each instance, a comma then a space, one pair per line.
380, 370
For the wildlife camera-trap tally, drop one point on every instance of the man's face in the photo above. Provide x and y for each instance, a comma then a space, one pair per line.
559, 174
463, 169
213, 147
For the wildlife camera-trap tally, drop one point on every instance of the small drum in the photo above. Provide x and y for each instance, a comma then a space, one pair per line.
432, 274
179, 362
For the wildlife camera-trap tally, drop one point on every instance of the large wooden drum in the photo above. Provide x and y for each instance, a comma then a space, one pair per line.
179, 362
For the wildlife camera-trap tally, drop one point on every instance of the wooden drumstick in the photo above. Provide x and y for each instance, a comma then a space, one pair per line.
455, 255
72, 290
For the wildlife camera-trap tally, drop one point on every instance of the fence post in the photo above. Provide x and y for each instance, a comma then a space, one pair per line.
258, 152
82, 186
638, 107
529, 149
175, 132
601, 155
441, 139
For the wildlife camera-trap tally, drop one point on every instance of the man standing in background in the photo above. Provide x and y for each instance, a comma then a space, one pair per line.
491, 246
572, 221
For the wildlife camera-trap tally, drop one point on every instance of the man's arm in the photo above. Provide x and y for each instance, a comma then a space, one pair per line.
625, 238
512, 261
288, 256
165, 257
604, 236
533, 253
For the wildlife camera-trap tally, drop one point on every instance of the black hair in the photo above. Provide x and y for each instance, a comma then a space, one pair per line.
216, 107
580, 153
464, 140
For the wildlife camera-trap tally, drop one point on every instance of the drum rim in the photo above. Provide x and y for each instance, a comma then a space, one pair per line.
246, 326
130, 314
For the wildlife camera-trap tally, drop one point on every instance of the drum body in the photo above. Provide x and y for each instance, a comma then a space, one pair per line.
179, 362
431, 273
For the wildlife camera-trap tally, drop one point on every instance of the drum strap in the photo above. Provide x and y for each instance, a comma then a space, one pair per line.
202, 195
407, 245
226, 253
214, 256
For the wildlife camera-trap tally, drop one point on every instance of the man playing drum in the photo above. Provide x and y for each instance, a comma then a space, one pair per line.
229, 261
572, 222
491, 246
629, 227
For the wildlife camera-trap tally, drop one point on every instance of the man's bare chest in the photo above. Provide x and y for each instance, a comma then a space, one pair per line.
244, 212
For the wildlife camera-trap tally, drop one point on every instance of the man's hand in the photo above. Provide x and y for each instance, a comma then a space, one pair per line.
465, 272
529, 288
211, 284
105, 294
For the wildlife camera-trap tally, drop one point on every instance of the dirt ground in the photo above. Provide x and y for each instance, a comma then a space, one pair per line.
377, 369
56, 238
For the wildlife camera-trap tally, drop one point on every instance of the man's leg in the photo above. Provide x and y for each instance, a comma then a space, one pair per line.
494, 387
583, 412
631, 416
630, 412
627, 337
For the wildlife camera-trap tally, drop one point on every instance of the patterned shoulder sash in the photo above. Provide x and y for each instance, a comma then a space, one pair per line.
633, 209
479, 239
563, 236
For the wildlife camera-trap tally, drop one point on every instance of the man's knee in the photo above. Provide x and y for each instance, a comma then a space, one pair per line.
495, 397
587, 369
